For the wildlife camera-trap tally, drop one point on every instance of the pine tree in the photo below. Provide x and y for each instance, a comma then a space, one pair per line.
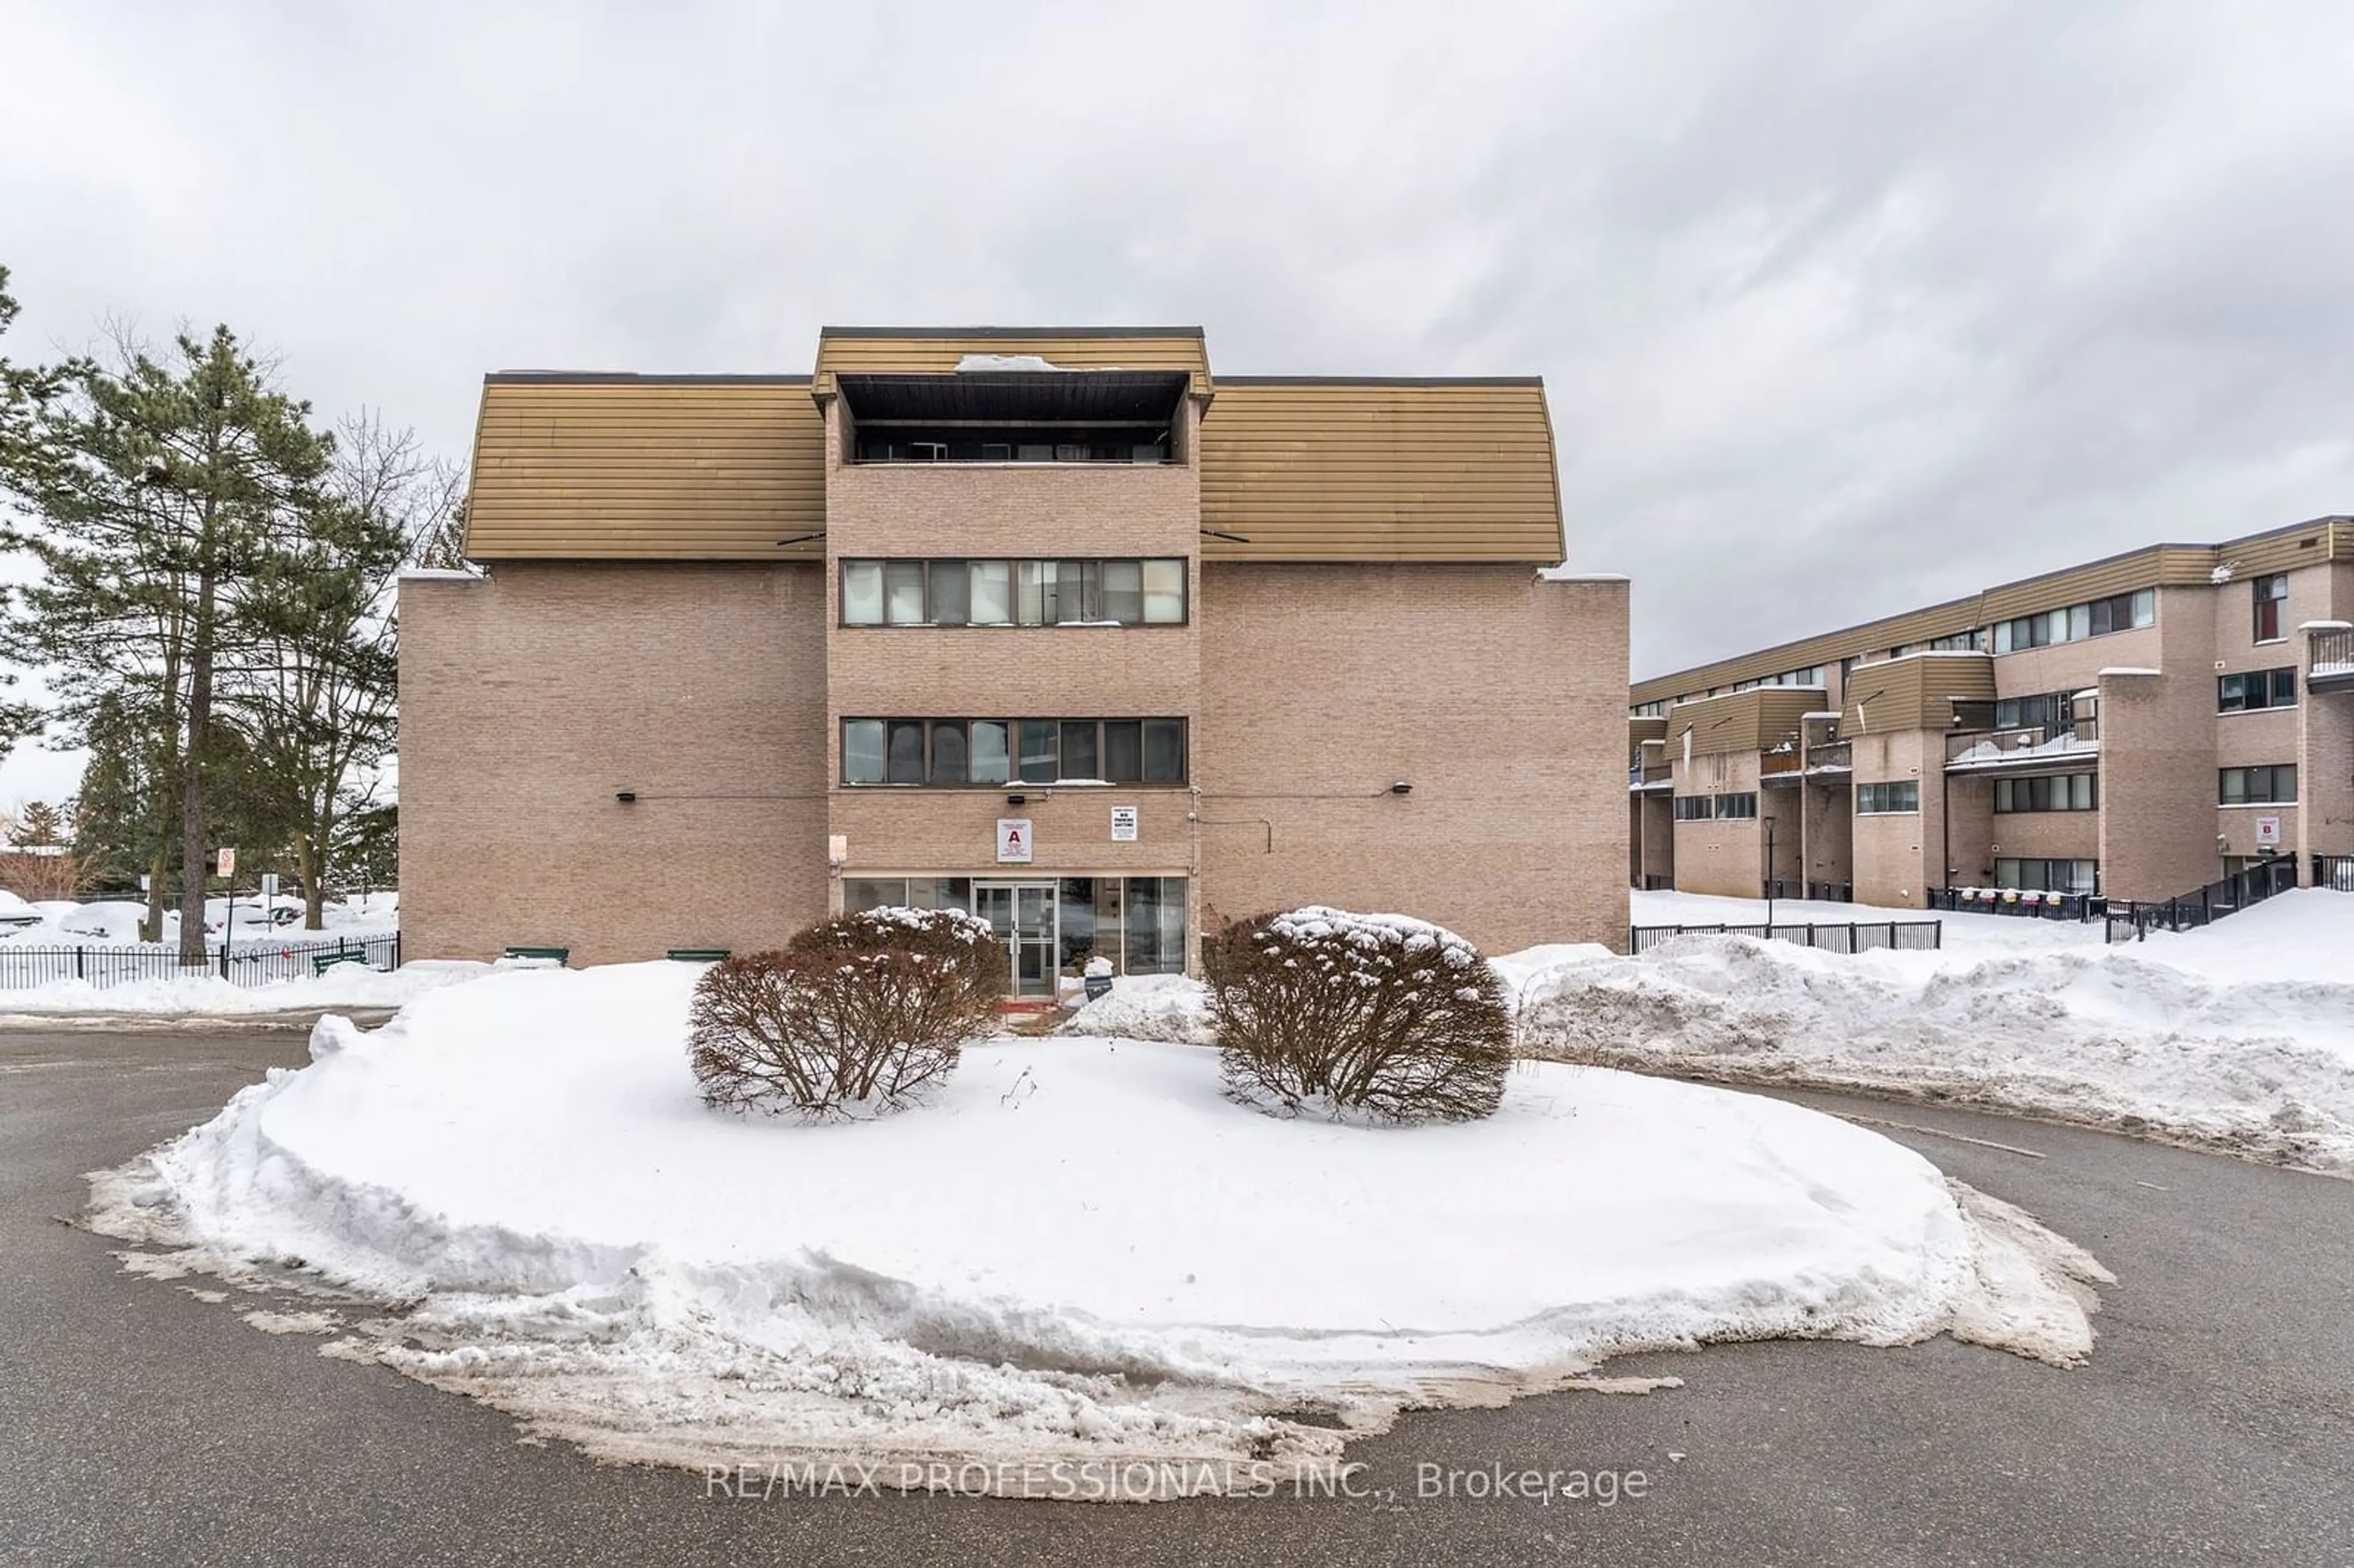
37, 825
320, 714
26, 454
115, 828
175, 479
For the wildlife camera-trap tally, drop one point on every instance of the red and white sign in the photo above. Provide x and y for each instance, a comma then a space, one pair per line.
1013, 841
2268, 832
228, 860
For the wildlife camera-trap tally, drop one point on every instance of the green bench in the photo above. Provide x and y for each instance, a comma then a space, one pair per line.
561, 956
699, 955
321, 962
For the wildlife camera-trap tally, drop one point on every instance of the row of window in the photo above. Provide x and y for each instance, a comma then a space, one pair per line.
2257, 689
948, 446
950, 752
2060, 792
2122, 613
1014, 593
2048, 875
1888, 800
2271, 786
1704, 808
1812, 675
1136, 922
2046, 709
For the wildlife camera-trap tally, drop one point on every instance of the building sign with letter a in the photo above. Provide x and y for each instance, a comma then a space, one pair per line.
1013, 841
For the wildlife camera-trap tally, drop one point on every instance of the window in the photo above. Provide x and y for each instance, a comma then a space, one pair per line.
991, 754
948, 752
2060, 792
2120, 612
1040, 751
2273, 786
2271, 598
1165, 751
2046, 709
1737, 806
2257, 689
1888, 800
1014, 593
1648, 710
989, 585
863, 893
862, 751
1960, 642
1164, 593
902, 593
2048, 875
861, 593
905, 751
1695, 808
1155, 926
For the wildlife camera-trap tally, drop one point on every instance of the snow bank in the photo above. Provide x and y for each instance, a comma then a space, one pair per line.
1081, 1252
2114, 1036
344, 985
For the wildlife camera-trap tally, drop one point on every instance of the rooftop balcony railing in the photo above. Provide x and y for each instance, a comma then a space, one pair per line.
2332, 668
2025, 745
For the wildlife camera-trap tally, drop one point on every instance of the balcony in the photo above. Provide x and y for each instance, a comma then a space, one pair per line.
2332, 665
996, 416
1659, 776
2029, 748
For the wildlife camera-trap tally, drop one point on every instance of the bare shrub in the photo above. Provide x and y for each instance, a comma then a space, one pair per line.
856, 1017
1326, 1012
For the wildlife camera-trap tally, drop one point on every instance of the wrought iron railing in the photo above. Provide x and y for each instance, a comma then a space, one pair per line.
1851, 936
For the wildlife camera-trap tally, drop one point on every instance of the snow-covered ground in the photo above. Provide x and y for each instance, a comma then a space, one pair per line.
2239, 1035
209, 996
1078, 1254
114, 922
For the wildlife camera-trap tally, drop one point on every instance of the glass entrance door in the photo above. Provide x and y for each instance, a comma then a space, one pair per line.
1022, 916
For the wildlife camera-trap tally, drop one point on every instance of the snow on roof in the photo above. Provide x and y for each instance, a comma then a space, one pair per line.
2326, 626
2128, 670
2087, 691
1826, 712
439, 575
1563, 575
1001, 362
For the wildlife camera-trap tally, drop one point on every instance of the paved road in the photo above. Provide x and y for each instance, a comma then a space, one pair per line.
2215, 1425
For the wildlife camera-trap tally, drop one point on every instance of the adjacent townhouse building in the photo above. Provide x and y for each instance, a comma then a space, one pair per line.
2135, 726
1049, 625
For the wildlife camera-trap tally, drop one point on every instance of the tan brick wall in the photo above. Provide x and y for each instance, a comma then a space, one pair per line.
1897, 856
2157, 761
1501, 699
1722, 856
1657, 830
529, 699
1830, 835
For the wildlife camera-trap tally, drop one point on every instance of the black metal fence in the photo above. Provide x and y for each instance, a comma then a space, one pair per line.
2132, 922
2334, 872
245, 963
2028, 902
1852, 936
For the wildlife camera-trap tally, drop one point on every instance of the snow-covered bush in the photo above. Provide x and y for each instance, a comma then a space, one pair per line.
1334, 1013
855, 1017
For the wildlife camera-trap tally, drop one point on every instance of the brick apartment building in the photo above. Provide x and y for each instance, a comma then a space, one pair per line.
1049, 625
2135, 726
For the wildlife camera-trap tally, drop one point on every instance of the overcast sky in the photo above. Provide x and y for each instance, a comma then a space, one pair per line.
1842, 309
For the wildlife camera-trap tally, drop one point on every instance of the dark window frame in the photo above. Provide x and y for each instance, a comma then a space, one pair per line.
2269, 776
1876, 791
1089, 572
1160, 737
2269, 608
2279, 691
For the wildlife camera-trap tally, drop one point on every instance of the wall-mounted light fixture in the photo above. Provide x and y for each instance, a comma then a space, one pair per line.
626, 797
1401, 788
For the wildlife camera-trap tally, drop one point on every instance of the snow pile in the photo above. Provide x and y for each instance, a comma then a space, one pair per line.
2137, 1037
1082, 1252
343, 985
1147, 1007
972, 364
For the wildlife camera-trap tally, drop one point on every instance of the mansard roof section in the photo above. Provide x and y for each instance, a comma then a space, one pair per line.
592, 466
1380, 469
